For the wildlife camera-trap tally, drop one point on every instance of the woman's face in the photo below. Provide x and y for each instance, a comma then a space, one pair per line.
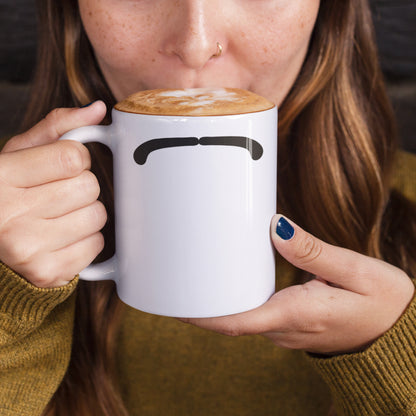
147, 44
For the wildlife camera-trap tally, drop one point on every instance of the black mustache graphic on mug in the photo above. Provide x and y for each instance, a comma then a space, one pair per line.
142, 152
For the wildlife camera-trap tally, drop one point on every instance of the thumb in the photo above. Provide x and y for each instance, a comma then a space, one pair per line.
55, 124
341, 267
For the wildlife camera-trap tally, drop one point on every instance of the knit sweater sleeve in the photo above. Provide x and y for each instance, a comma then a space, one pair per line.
382, 379
379, 381
35, 342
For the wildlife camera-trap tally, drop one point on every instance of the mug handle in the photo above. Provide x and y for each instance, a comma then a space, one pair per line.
102, 134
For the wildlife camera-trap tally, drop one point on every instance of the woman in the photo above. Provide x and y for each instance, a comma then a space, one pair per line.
347, 301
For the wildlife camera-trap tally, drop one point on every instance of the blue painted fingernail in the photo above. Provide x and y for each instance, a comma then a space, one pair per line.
284, 230
87, 105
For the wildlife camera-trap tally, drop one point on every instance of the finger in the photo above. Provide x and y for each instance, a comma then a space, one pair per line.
296, 317
265, 318
339, 266
60, 267
75, 226
43, 164
55, 124
25, 239
58, 198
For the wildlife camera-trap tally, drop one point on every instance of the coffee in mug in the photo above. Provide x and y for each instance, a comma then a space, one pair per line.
195, 190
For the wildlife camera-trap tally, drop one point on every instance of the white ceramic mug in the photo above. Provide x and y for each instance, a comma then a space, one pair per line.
194, 196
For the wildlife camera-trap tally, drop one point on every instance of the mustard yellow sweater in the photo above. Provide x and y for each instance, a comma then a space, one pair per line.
170, 368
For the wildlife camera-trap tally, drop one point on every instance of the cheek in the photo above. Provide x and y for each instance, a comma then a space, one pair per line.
284, 40
277, 53
118, 39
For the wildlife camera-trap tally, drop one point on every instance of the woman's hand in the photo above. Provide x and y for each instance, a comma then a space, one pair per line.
352, 300
49, 214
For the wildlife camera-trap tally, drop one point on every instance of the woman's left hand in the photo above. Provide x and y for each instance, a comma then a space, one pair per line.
352, 300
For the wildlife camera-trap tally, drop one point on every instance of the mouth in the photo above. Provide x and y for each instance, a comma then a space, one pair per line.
252, 146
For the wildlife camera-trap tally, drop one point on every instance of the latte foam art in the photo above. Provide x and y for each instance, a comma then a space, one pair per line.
194, 102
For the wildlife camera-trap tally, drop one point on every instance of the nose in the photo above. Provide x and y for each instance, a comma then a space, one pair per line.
195, 33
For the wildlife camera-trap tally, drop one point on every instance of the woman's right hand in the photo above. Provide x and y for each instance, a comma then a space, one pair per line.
50, 219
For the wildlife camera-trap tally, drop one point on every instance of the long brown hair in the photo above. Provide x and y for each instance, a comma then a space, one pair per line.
336, 152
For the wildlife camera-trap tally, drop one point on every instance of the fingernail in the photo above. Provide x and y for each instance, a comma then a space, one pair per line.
284, 230
87, 105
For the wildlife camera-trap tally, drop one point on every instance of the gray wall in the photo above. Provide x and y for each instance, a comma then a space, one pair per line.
17, 57
395, 22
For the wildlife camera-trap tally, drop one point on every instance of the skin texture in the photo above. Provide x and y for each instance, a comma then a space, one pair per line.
49, 214
149, 44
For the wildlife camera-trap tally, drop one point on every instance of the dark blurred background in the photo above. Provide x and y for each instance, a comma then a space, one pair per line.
395, 22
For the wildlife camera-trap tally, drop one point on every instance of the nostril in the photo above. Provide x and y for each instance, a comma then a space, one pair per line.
193, 47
